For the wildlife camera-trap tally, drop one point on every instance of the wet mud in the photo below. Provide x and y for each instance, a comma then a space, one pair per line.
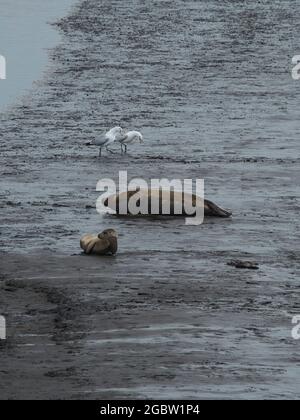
209, 85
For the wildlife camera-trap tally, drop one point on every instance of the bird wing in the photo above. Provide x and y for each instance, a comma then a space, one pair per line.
105, 139
123, 139
101, 141
111, 137
130, 137
133, 136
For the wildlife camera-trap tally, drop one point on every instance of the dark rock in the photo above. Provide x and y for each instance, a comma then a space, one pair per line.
250, 265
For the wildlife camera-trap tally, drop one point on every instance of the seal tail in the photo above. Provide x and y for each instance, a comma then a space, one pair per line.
212, 209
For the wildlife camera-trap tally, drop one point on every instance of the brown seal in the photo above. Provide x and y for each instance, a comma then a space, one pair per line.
210, 209
104, 244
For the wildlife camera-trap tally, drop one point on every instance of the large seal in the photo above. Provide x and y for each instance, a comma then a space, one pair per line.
119, 203
103, 244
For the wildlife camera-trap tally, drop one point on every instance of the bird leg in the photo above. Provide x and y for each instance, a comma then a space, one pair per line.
100, 152
110, 151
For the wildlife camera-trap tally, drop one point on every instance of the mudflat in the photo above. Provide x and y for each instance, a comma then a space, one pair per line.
208, 85
145, 327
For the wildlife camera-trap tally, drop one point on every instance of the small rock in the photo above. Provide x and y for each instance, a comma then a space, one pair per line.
250, 265
12, 204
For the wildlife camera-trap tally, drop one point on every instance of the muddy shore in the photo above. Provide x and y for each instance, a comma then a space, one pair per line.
209, 86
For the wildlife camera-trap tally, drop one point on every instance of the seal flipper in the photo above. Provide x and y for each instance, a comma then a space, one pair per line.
91, 244
211, 209
101, 247
85, 240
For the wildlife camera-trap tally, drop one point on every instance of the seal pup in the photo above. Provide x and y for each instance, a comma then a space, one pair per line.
129, 138
116, 133
176, 200
105, 243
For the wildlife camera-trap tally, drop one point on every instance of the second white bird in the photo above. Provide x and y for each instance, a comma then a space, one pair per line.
130, 138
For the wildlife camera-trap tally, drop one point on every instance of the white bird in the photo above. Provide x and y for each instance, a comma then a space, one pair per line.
114, 134
129, 138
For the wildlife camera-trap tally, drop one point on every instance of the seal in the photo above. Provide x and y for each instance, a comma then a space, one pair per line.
119, 202
105, 243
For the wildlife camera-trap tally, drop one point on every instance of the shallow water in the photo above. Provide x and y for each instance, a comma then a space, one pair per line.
209, 85
25, 37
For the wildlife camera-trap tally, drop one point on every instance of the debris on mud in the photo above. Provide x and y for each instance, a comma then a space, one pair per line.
250, 265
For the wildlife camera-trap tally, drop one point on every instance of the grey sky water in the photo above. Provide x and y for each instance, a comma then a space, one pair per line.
25, 36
